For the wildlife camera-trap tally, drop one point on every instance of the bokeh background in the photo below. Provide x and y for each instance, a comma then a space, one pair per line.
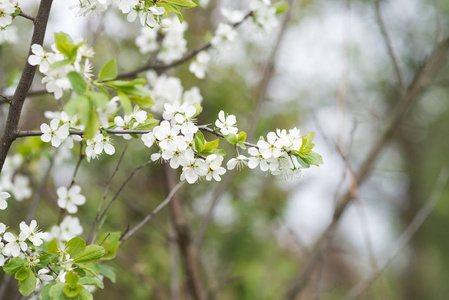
327, 68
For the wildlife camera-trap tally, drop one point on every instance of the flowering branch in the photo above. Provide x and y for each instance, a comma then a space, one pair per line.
187, 57
205, 128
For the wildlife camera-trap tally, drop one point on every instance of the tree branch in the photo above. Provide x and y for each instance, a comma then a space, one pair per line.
421, 82
15, 110
405, 237
26, 16
161, 67
167, 200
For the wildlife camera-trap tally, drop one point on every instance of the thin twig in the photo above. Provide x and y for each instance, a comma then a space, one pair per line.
391, 53
27, 16
114, 198
164, 203
205, 128
81, 156
187, 57
405, 237
422, 80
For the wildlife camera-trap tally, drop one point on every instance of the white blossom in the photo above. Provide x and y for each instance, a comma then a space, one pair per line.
32, 233
14, 246
227, 124
3, 197
70, 199
238, 162
199, 66
6, 11
54, 133
224, 33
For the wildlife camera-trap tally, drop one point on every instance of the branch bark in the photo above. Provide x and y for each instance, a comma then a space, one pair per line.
15, 110
189, 252
421, 82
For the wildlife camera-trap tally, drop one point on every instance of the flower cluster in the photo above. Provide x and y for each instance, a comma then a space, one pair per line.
147, 12
280, 154
59, 129
175, 137
264, 14
168, 90
173, 45
16, 245
56, 65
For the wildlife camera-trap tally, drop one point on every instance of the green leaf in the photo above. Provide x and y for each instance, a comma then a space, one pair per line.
28, 285
124, 83
76, 246
181, 3
109, 71
72, 291
45, 293
199, 141
77, 82
72, 278
100, 100
110, 245
92, 125
56, 292
301, 161
281, 7
64, 44
21, 274
313, 158
108, 272
150, 123
60, 63
209, 148
220, 152
79, 106
91, 281
241, 145
241, 138
307, 141
126, 103
85, 295
13, 266
91, 254
45, 259
231, 138
142, 101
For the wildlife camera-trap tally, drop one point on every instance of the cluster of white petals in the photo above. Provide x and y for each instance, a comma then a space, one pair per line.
69, 228
274, 154
16, 245
56, 80
70, 199
264, 14
3, 197
175, 139
226, 124
97, 145
129, 122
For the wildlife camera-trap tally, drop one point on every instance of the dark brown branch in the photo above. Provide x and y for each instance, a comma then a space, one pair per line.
21, 134
4, 100
26, 16
189, 252
15, 110
421, 82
